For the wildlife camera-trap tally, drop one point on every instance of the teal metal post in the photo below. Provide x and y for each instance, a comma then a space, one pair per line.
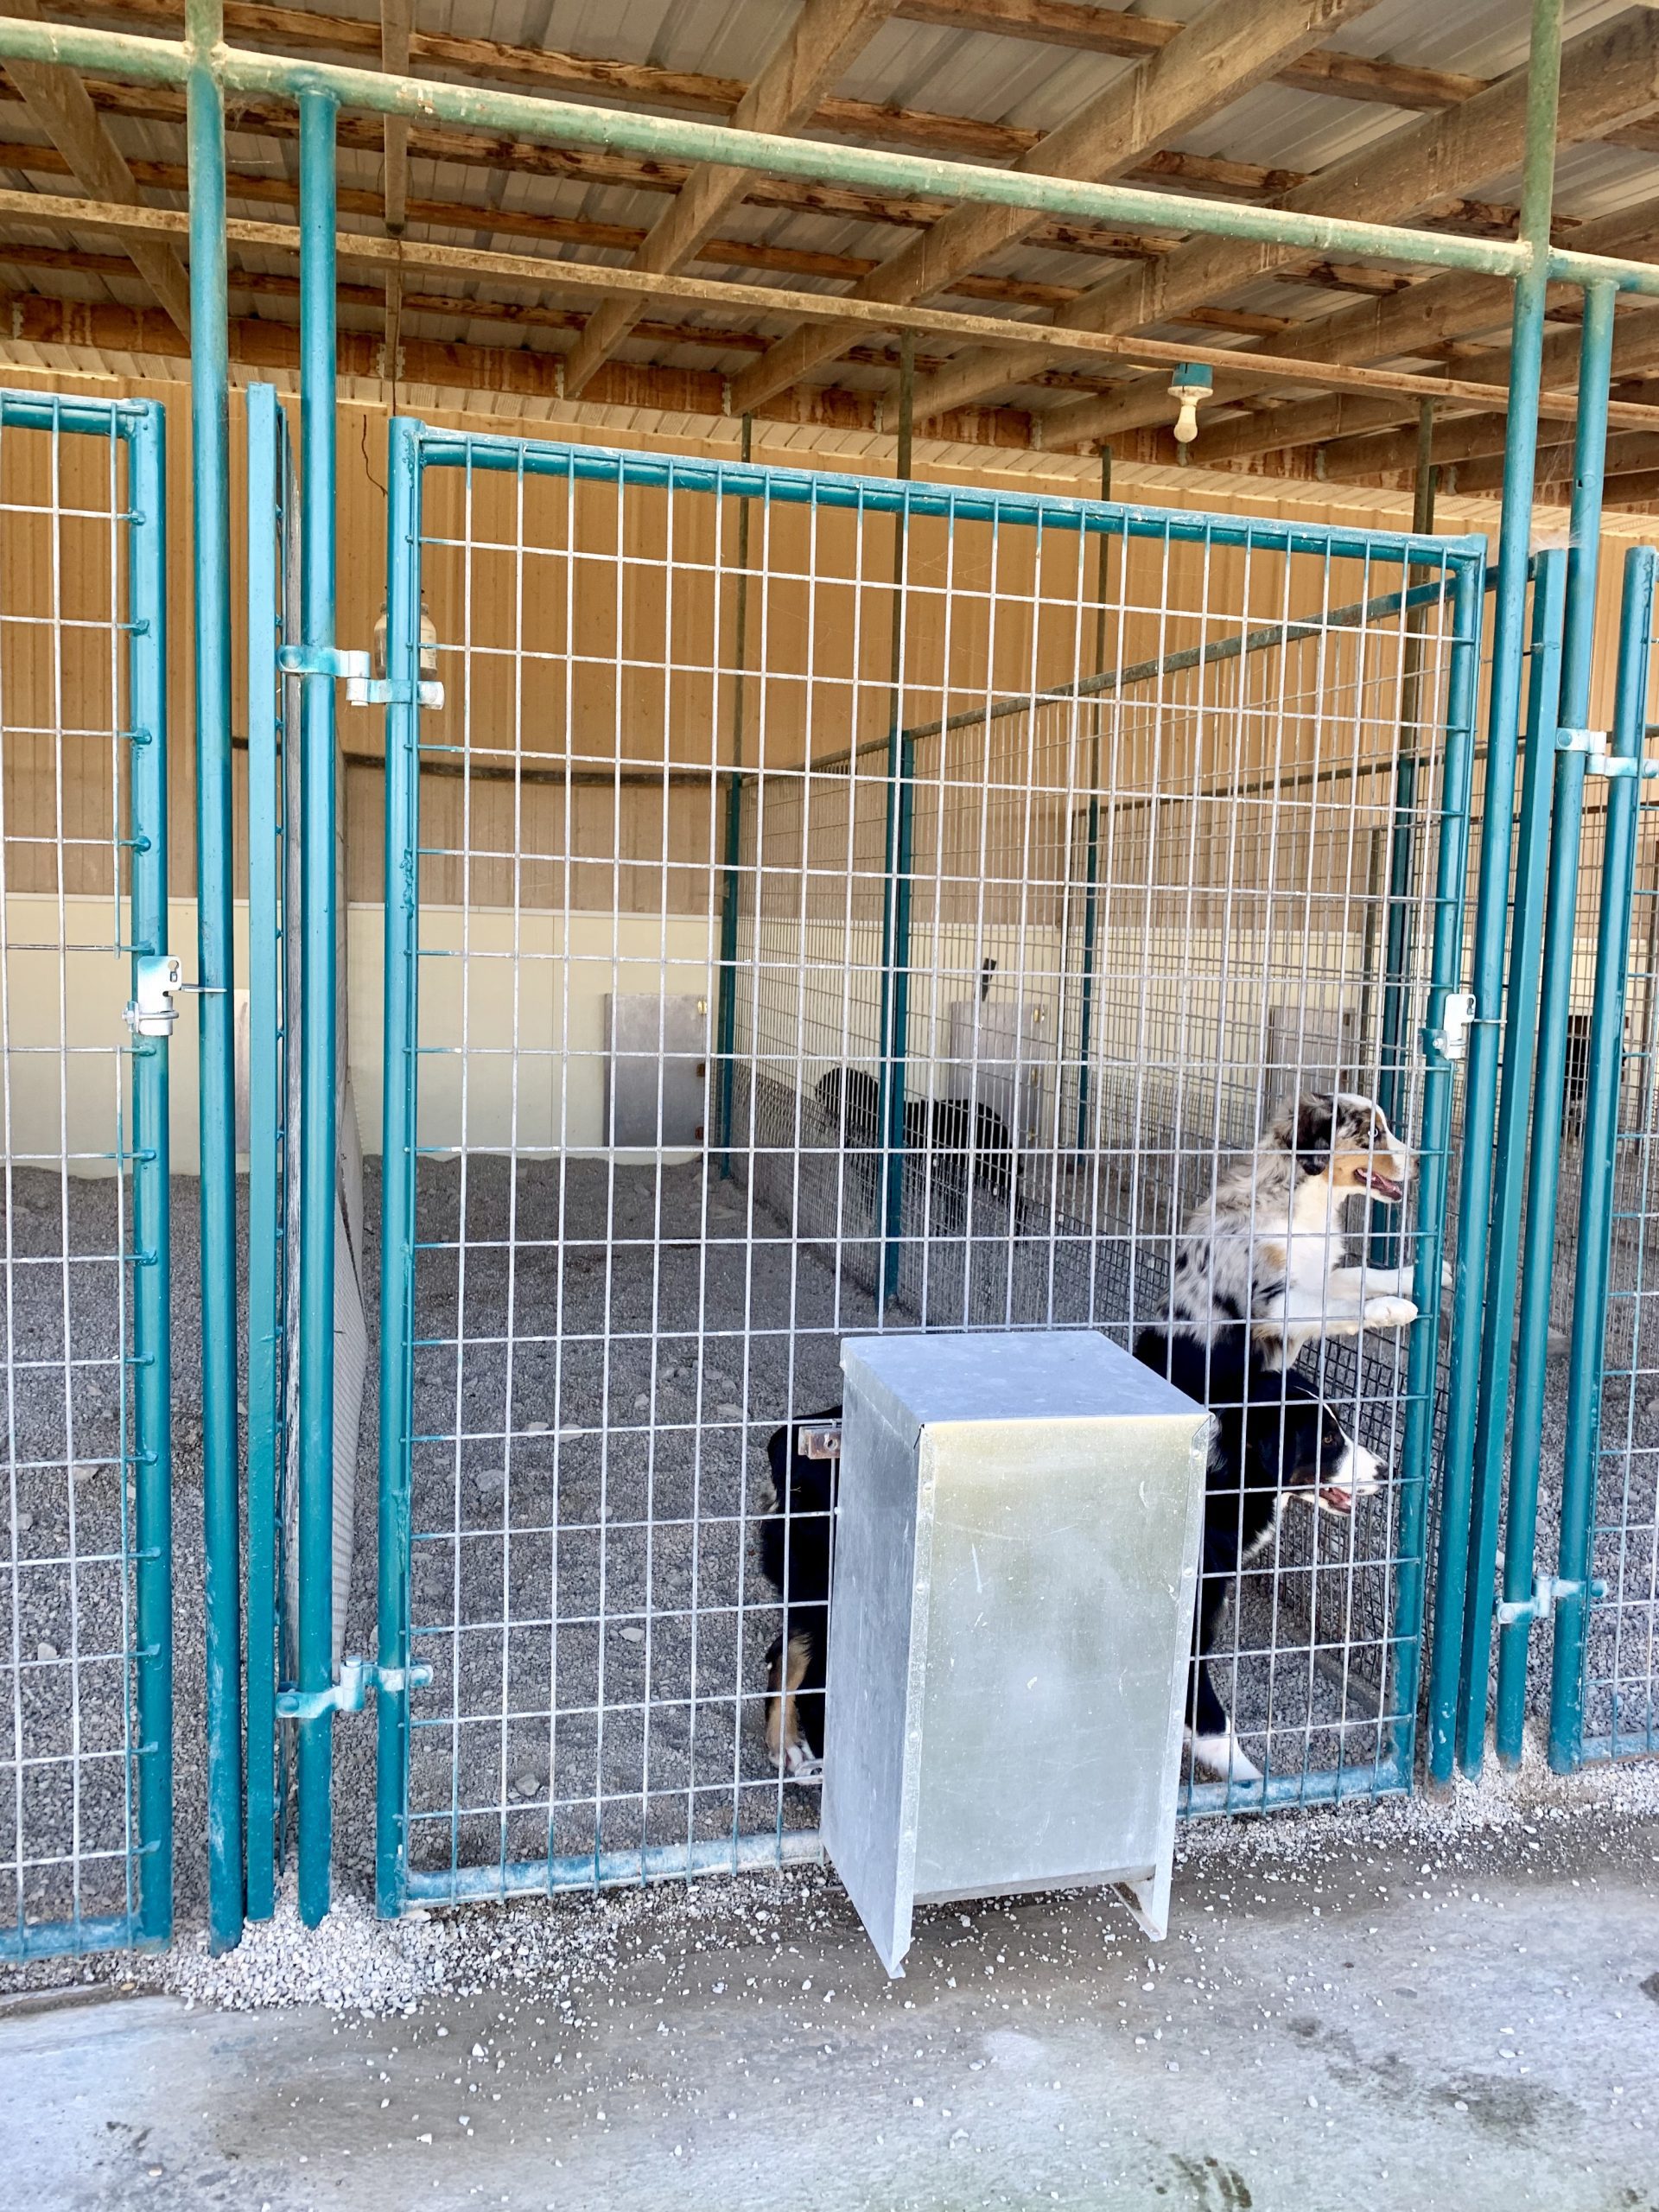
144, 428
726, 1024
1491, 925
897, 856
1604, 1077
319, 1042
1091, 857
397, 1147
266, 502
1391, 1088
1513, 1119
1463, 682
1561, 935
210, 456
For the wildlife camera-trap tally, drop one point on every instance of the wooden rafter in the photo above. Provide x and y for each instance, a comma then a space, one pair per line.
825, 36
1609, 76
1227, 49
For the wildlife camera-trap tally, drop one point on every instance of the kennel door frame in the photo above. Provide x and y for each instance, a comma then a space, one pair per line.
1459, 567
1620, 1106
142, 1161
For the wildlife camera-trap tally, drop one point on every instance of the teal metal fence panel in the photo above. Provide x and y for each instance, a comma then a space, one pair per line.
86, 1009
1603, 1596
623, 1236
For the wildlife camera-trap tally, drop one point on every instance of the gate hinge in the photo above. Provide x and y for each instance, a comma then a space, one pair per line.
156, 977
363, 687
1458, 1016
1548, 1591
1592, 741
357, 1678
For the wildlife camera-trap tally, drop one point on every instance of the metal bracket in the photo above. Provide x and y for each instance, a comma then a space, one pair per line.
363, 687
157, 976
1592, 741
1548, 1591
1621, 764
1458, 1016
819, 1440
350, 1694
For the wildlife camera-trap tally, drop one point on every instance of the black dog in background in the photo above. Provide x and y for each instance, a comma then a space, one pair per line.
795, 1551
964, 1144
1274, 1440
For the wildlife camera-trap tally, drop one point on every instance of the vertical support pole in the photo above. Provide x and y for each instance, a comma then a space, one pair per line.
319, 1043
145, 429
267, 500
210, 465
1091, 858
1445, 971
1391, 1089
895, 916
1480, 1097
1604, 1077
1513, 1118
398, 1169
725, 1027
1561, 933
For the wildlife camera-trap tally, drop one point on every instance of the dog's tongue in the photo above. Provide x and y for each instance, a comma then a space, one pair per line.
1337, 1501
1384, 1186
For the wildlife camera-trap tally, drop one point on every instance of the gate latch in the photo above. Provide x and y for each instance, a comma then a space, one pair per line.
350, 1694
1450, 1039
1548, 1591
363, 687
156, 976
818, 1439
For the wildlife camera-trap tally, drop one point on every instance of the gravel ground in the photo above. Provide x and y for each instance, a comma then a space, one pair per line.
594, 1419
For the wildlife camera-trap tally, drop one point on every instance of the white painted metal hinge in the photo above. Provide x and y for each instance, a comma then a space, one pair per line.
350, 1694
157, 976
363, 687
1548, 1591
1458, 1016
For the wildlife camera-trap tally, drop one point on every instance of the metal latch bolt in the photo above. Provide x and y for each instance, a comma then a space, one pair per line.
363, 687
357, 1678
819, 1440
1601, 762
1450, 1039
157, 976
1548, 1591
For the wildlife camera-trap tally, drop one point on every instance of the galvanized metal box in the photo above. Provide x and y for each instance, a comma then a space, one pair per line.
1016, 1554
656, 1070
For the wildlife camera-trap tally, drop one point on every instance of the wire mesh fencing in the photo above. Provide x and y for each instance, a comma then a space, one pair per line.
85, 1733
847, 907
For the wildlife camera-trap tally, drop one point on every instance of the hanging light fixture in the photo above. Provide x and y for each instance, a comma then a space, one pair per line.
1190, 384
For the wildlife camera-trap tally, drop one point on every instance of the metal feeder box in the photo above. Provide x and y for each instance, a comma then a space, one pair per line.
1016, 1559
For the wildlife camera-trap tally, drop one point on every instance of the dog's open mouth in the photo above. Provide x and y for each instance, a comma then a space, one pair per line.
1336, 1501
1379, 1186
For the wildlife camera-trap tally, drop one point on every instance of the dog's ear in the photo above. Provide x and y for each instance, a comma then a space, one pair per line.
1316, 1114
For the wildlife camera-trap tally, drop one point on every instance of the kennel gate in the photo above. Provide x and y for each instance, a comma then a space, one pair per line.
1600, 1591
86, 1772
768, 779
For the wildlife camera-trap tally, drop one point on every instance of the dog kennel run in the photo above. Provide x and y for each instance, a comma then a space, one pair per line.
754, 794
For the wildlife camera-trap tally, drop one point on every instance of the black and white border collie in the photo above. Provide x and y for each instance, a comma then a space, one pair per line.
1267, 1250
964, 1144
796, 1545
1272, 1442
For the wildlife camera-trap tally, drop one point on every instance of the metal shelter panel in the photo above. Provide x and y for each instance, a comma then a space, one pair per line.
1031, 854
86, 1654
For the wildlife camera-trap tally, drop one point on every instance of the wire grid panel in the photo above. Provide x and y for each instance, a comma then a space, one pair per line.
993, 867
84, 1648
1619, 1689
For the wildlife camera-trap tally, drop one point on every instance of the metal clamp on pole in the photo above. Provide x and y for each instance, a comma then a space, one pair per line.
157, 977
1548, 1591
1458, 1017
363, 687
350, 1692
1592, 741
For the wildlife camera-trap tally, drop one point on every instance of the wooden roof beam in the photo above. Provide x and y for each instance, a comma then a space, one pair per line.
1609, 75
1222, 52
824, 38
60, 102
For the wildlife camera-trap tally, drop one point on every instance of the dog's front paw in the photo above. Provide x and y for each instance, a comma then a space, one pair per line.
1223, 1757
1388, 1313
801, 1765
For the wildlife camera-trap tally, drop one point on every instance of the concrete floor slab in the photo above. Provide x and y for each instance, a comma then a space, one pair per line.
1471, 2023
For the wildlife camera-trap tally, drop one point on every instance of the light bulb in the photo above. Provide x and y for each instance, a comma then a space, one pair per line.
1187, 422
